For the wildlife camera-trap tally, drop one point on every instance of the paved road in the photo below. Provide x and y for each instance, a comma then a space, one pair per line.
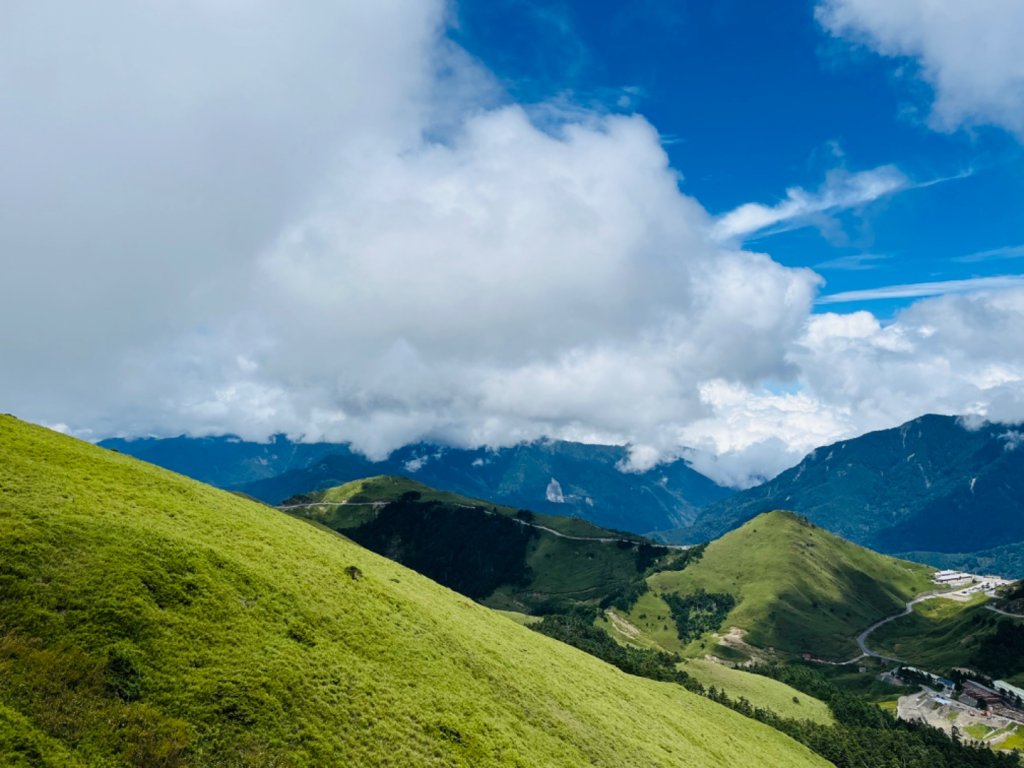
863, 636
1004, 613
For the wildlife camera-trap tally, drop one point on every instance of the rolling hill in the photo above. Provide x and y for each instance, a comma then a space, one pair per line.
797, 589
551, 476
149, 620
931, 487
505, 558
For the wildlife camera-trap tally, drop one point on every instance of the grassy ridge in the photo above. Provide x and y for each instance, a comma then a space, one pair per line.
478, 548
798, 587
149, 620
386, 488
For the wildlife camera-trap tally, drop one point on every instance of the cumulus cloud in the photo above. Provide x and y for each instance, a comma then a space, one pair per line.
514, 282
950, 354
841, 190
251, 218
321, 221
968, 52
956, 354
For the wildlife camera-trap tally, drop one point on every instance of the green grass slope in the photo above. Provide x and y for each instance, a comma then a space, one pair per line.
149, 620
503, 557
798, 587
760, 691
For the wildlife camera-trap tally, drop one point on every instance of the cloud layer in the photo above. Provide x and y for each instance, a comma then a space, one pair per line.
242, 217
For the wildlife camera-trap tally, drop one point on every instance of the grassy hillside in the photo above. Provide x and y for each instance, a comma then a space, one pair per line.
760, 691
149, 620
797, 587
505, 558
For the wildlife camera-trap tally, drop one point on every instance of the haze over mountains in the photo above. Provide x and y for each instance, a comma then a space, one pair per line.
933, 487
556, 477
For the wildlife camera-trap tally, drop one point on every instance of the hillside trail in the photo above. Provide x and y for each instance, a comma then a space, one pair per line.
538, 526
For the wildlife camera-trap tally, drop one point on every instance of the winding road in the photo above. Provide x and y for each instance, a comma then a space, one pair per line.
863, 636
1004, 613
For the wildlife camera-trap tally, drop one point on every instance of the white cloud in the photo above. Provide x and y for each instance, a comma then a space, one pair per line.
842, 190
253, 218
1012, 439
318, 221
994, 254
918, 290
853, 263
951, 354
969, 52
957, 354
751, 433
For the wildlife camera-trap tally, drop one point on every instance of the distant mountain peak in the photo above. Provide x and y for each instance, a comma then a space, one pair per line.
930, 485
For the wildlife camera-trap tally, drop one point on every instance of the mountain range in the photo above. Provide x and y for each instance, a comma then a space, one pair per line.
551, 476
937, 489
945, 491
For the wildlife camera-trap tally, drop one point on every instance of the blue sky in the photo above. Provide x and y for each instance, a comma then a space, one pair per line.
754, 98
720, 230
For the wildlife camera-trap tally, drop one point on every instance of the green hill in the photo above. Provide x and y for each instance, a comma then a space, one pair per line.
950, 492
505, 558
797, 588
389, 488
149, 620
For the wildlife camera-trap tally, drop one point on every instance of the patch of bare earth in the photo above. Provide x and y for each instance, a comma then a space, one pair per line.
623, 625
734, 639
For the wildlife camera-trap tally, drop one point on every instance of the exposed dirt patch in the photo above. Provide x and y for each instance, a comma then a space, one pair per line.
622, 625
734, 639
